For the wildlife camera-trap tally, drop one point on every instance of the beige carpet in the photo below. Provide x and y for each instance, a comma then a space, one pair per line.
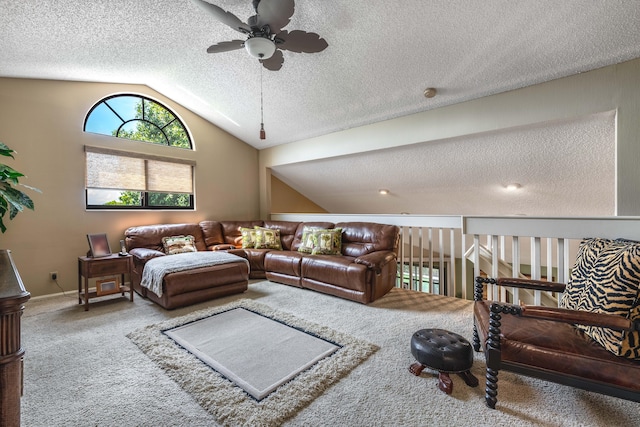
81, 369
310, 364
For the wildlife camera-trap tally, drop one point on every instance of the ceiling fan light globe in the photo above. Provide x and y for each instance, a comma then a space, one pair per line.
260, 47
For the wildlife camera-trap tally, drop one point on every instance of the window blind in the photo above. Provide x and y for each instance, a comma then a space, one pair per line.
127, 171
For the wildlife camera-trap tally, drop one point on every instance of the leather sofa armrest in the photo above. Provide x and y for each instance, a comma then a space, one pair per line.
142, 255
376, 260
580, 317
566, 315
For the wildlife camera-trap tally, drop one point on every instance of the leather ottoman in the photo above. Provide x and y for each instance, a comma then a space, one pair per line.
445, 352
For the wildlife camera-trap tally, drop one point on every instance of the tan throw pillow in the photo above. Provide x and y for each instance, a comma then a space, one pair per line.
248, 237
268, 238
179, 244
327, 242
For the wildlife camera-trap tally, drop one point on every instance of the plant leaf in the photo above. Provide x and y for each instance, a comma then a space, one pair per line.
9, 174
13, 211
5, 151
31, 188
16, 198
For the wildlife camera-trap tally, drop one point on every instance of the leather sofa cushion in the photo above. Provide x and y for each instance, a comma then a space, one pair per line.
287, 231
361, 238
559, 347
150, 236
212, 232
297, 241
199, 279
283, 262
339, 271
231, 230
254, 256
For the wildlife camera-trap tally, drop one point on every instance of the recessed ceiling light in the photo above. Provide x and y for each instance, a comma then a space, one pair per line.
383, 191
513, 187
430, 92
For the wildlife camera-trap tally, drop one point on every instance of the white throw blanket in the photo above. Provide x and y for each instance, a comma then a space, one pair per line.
156, 268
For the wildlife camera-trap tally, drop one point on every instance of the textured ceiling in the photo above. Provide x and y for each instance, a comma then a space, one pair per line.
555, 178
382, 54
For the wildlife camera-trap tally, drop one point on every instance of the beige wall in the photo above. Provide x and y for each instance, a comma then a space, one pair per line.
612, 88
285, 199
42, 120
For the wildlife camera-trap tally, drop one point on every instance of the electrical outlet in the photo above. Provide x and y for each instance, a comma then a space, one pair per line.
53, 275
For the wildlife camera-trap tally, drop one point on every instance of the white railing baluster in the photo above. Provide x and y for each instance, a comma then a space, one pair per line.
421, 259
451, 276
412, 281
515, 266
401, 256
535, 266
463, 246
430, 243
476, 255
442, 290
495, 267
549, 260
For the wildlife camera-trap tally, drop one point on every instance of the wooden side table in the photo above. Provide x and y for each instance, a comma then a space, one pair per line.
89, 267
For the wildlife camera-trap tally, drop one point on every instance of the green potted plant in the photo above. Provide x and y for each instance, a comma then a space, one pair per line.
11, 199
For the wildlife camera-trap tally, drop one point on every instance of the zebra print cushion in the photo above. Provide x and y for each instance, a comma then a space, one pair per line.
606, 279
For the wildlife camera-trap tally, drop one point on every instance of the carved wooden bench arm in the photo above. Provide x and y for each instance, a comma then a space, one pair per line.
536, 285
531, 284
552, 313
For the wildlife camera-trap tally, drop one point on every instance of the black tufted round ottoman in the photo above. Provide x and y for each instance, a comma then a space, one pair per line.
445, 352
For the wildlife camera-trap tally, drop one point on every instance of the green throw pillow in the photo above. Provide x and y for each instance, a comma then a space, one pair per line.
248, 237
179, 244
268, 238
306, 244
327, 242
605, 280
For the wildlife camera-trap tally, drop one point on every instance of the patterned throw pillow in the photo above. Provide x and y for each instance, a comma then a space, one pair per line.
248, 237
178, 244
268, 238
327, 242
605, 280
306, 243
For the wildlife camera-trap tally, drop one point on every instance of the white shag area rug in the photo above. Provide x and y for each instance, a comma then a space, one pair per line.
219, 395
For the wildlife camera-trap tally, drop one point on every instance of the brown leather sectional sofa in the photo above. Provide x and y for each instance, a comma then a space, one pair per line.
364, 272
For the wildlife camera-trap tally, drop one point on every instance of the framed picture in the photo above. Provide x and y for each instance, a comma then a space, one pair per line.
98, 245
108, 286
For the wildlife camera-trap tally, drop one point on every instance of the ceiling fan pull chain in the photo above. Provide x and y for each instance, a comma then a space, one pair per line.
263, 135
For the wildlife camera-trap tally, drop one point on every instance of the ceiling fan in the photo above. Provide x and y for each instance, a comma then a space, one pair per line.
265, 37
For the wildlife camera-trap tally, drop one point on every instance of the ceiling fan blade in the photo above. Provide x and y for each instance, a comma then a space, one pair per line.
275, 62
301, 41
275, 13
226, 46
223, 16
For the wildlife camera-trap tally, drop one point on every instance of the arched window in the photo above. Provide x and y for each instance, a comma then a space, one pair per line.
138, 118
119, 179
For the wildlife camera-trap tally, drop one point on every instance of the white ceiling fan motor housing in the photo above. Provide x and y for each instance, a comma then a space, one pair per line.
260, 47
